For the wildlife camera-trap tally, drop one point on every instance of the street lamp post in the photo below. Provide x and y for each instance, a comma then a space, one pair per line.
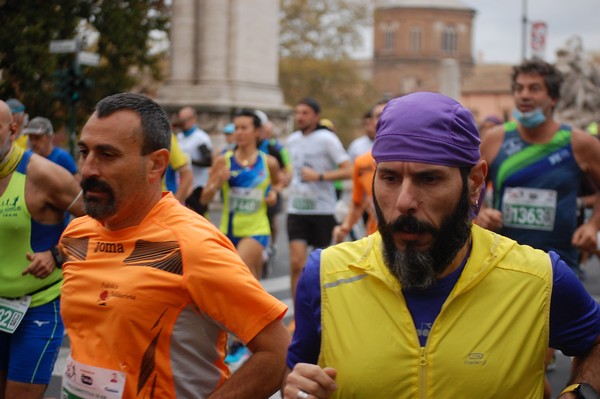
524, 32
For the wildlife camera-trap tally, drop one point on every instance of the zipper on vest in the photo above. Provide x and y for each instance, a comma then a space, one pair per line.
422, 372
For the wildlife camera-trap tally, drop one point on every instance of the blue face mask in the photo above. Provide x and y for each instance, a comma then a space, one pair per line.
530, 119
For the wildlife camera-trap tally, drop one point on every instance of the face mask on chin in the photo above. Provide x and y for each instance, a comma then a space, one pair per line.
530, 119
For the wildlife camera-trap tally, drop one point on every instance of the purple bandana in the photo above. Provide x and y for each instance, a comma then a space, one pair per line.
427, 128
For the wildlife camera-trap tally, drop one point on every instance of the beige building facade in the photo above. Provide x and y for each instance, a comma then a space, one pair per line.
224, 56
487, 91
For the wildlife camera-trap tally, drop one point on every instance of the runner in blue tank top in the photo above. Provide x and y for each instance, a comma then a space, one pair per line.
246, 177
536, 167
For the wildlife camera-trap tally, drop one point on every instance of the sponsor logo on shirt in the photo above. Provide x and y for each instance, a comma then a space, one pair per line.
476, 359
9, 207
111, 290
109, 247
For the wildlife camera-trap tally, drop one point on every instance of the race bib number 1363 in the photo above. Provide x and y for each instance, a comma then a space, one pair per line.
529, 208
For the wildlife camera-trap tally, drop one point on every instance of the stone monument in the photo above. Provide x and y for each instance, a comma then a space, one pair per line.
579, 103
223, 57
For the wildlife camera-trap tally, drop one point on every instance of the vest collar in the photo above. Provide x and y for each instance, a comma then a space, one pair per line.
487, 250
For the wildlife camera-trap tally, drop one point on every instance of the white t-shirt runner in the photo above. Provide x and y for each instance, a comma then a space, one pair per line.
322, 151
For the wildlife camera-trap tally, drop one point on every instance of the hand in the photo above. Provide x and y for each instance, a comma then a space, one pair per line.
271, 198
317, 382
223, 176
585, 237
339, 233
490, 219
42, 264
309, 174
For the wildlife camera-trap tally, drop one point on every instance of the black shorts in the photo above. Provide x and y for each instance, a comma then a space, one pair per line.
193, 201
315, 230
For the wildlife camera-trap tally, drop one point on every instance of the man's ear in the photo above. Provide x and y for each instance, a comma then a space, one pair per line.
477, 181
13, 129
157, 164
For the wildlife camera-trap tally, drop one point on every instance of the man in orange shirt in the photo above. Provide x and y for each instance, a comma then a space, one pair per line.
151, 289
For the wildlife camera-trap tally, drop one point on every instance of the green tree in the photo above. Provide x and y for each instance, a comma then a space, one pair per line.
28, 69
324, 29
316, 38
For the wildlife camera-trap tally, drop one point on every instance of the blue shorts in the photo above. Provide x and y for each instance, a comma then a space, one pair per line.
262, 240
30, 352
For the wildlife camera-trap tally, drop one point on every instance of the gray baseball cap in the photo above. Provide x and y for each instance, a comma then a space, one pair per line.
39, 125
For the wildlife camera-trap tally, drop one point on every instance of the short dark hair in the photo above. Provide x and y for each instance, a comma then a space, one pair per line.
250, 113
369, 113
156, 129
311, 102
552, 77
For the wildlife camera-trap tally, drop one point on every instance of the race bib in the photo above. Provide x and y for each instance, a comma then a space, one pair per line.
82, 381
529, 208
12, 312
245, 200
303, 198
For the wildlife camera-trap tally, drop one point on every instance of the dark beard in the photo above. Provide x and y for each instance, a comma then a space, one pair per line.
98, 209
415, 268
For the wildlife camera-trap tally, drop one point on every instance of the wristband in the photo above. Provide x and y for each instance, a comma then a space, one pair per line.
321, 177
58, 259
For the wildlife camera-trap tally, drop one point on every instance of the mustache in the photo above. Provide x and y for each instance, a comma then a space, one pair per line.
94, 184
410, 224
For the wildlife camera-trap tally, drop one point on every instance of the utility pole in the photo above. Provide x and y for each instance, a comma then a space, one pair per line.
524, 32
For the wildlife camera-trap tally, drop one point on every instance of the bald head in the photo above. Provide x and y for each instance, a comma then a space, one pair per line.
187, 117
5, 113
8, 132
187, 112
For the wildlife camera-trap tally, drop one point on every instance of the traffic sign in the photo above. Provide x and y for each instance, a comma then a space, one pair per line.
539, 34
63, 46
87, 58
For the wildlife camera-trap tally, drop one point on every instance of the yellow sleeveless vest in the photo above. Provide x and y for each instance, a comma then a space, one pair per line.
488, 341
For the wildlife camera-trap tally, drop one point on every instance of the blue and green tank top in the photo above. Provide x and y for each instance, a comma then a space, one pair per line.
535, 188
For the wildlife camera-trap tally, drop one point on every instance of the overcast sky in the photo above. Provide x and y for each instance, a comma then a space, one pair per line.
498, 27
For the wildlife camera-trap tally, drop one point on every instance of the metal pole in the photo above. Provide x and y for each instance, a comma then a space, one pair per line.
72, 128
524, 32
73, 106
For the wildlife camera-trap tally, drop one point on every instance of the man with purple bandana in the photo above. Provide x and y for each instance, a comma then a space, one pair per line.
432, 305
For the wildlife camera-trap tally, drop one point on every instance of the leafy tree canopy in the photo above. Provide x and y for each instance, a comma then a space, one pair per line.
316, 37
327, 29
27, 67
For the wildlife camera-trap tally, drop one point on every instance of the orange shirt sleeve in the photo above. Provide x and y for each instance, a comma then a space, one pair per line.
223, 287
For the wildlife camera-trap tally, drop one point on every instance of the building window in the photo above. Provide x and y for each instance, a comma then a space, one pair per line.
388, 43
389, 39
415, 39
449, 39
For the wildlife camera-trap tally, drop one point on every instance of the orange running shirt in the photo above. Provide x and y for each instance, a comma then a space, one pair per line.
362, 187
154, 301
